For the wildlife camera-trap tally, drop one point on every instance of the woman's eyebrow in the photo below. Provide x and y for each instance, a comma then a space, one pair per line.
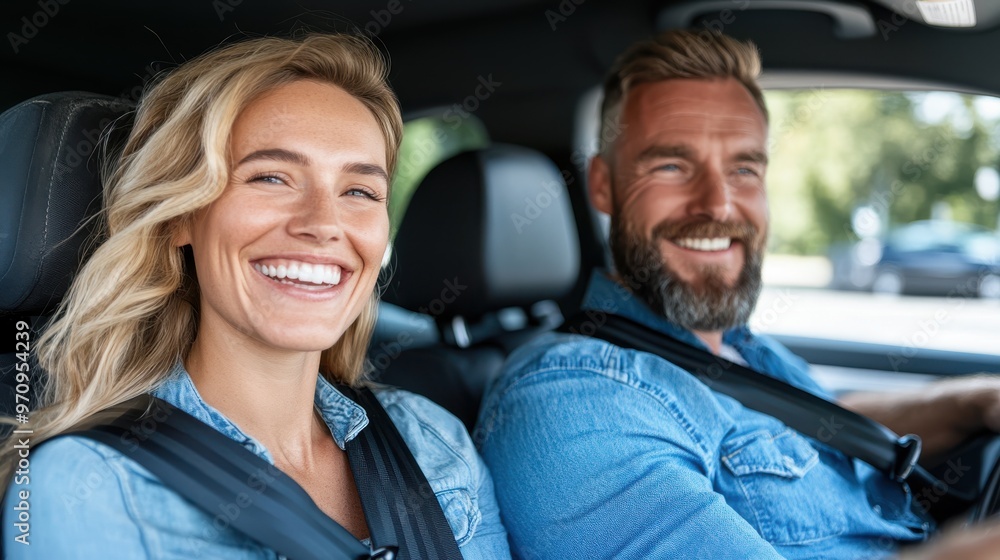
288, 156
366, 169
277, 154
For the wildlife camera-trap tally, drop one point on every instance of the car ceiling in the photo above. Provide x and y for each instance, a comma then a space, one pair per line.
543, 53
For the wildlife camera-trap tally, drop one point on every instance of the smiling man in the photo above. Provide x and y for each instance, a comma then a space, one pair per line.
691, 207
603, 452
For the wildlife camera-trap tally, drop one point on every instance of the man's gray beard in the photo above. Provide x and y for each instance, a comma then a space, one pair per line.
713, 307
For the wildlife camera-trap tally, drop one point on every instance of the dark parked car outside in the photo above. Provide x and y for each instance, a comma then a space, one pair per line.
938, 257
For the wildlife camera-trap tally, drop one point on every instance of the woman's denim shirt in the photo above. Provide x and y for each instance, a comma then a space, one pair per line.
602, 452
89, 501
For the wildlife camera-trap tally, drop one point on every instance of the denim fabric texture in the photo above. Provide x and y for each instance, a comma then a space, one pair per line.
602, 452
89, 501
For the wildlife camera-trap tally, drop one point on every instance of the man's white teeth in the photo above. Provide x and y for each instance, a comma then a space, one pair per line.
303, 272
705, 243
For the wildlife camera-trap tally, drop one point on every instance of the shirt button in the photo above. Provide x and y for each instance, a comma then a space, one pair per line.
878, 510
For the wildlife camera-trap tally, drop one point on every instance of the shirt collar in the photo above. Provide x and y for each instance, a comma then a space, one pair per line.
344, 417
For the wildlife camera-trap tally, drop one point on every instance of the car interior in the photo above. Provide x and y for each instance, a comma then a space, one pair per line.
496, 240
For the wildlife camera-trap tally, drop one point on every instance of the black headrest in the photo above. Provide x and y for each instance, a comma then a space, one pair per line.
50, 185
485, 230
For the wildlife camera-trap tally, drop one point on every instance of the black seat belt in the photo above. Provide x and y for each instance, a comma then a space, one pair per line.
213, 472
815, 417
226, 480
399, 504
844, 430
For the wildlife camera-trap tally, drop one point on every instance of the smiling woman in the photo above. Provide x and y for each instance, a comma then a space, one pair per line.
245, 226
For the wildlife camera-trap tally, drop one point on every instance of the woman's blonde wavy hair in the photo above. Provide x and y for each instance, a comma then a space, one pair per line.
132, 310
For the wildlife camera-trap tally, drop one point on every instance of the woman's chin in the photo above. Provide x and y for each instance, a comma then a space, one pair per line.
304, 342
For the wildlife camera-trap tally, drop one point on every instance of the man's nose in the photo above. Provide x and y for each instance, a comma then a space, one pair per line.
317, 216
712, 197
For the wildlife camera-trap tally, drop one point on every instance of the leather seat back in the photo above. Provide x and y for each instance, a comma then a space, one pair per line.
487, 236
50, 193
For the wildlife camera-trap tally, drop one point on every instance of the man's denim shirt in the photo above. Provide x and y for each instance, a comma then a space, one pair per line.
89, 501
601, 452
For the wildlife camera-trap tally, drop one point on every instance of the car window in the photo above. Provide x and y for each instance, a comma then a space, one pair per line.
427, 141
884, 215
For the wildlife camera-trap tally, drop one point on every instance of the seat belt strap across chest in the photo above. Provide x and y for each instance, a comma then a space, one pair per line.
400, 505
244, 491
845, 430
230, 483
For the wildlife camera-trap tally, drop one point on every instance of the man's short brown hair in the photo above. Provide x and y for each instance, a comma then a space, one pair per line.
677, 54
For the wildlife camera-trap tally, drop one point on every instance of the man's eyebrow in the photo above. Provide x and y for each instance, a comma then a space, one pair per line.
278, 154
366, 169
664, 151
754, 156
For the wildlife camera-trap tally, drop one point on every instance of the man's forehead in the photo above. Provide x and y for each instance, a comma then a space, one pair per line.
724, 101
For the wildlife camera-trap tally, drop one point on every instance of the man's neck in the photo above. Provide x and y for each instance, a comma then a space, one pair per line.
713, 339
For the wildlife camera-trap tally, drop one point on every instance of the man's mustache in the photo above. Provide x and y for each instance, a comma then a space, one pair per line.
672, 229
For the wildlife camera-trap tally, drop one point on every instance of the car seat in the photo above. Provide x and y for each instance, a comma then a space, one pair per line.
49, 192
488, 241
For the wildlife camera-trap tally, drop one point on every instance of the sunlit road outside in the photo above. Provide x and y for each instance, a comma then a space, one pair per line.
794, 302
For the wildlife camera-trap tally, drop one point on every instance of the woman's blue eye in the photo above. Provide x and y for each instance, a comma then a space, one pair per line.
372, 195
273, 179
669, 167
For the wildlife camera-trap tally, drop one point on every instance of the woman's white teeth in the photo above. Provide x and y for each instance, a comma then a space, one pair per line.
705, 244
303, 272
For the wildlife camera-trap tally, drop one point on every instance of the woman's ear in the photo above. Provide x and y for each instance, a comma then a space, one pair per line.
181, 232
